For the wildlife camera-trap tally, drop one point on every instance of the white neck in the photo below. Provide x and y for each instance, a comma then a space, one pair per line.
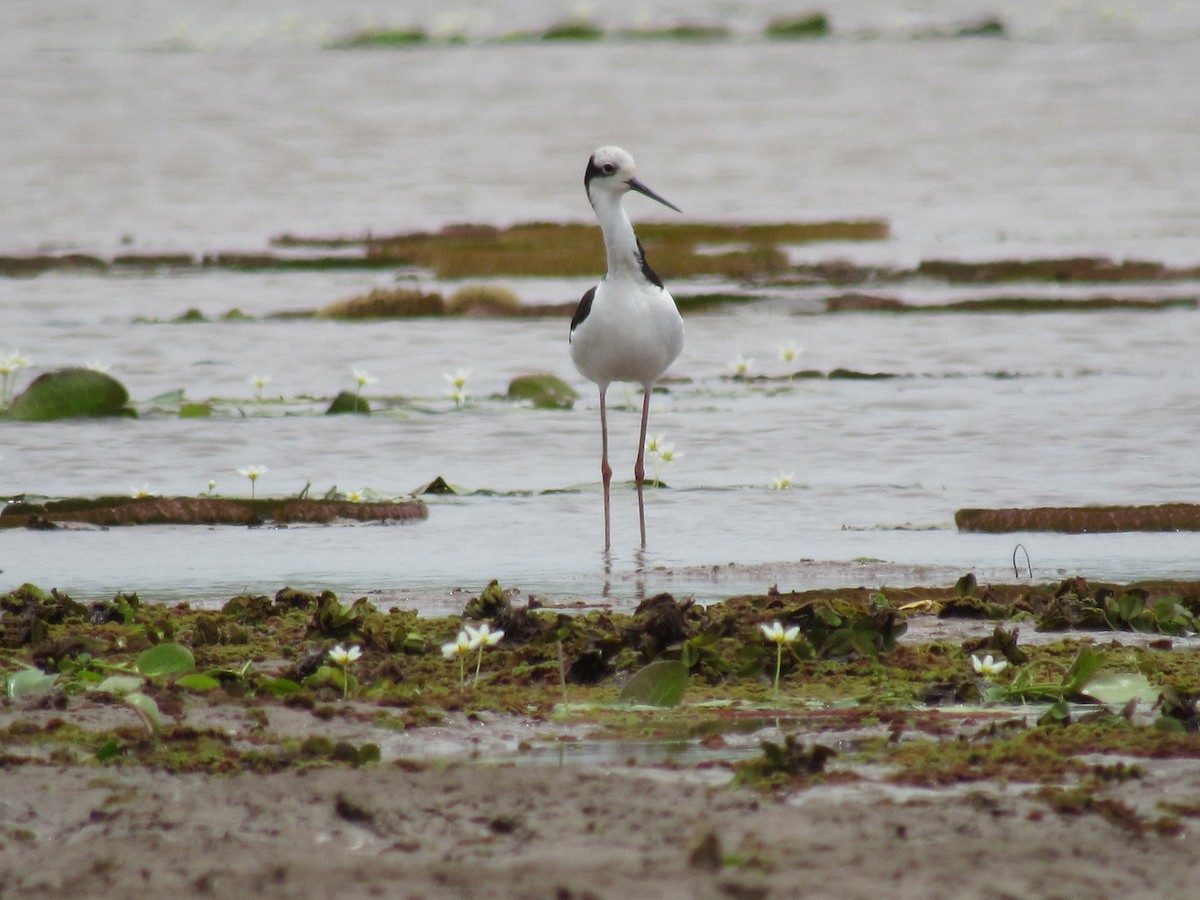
620, 243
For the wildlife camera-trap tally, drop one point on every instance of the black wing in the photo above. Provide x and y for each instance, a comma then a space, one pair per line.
648, 273
582, 310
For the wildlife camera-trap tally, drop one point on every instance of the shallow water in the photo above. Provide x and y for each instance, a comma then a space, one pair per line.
1077, 136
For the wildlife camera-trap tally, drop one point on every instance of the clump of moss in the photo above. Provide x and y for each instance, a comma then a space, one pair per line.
381, 37
578, 29
812, 25
483, 300
385, 303
684, 31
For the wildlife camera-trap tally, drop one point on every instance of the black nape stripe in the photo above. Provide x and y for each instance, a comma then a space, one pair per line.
592, 171
648, 273
581, 311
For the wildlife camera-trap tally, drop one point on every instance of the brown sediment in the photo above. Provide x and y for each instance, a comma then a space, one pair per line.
545, 249
201, 511
856, 302
1074, 269
37, 263
1082, 519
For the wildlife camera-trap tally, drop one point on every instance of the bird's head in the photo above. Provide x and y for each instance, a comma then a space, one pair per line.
610, 171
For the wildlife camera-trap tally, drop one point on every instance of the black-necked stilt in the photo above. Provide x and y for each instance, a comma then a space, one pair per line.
627, 327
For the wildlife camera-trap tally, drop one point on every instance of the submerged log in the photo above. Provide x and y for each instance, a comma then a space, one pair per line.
1082, 519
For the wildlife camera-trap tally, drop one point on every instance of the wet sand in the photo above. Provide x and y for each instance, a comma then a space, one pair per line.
484, 831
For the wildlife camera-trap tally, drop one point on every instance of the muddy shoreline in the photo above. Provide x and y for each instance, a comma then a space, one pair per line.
881, 764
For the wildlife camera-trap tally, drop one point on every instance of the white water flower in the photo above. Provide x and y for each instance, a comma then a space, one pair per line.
458, 386
789, 352
362, 379
776, 634
142, 492
355, 497
253, 473
987, 667
212, 485
12, 362
741, 365
782, 482
344, 656
8, 366
780, 637
98, 366
661, 453
482, 637
458, 649
259, 382
460, 646
459, 378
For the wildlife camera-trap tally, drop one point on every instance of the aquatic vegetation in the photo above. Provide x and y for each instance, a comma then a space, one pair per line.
140, 493
782, 481
543, 390
259, 382
10, 364
780, 637
789, 353
741, 366
70, 393
484, 300
343, 658
458, 649
458, 386
361, 380
265, 653
812, 25
253, 473
661, 454
578, 29
988, 667
479, 639
685, 31
661, 683
548, 249
381, 37
385, 303
347, 402
783, 765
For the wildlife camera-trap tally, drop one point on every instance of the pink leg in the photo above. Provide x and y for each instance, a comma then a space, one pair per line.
639, 470
605, 468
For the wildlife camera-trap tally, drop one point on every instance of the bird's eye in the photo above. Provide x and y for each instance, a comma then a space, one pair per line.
608, 168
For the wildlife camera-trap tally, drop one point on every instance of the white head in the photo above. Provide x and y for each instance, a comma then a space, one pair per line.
611, 170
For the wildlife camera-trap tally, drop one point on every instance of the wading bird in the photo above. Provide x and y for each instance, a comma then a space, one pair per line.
626, 328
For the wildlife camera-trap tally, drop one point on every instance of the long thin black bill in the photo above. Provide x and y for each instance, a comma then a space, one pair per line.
642, 189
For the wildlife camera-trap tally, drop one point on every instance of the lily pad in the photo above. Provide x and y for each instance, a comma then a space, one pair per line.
70, 393
121, 684
29, 683
661, 683
198, 681
165, 659
1116, 688
147, 709
544, 390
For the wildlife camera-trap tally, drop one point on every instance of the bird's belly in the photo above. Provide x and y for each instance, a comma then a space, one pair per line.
610, 348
